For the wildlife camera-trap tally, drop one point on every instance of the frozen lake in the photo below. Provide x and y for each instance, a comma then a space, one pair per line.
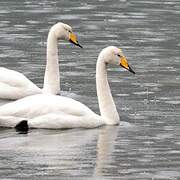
146, 145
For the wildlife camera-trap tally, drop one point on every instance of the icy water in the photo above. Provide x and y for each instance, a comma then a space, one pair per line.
147, 143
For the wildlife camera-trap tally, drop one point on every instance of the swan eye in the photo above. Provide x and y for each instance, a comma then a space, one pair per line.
119, 55
68, 30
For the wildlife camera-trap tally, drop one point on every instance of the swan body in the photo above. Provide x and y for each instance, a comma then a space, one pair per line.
57, 112
14, 85
49, 111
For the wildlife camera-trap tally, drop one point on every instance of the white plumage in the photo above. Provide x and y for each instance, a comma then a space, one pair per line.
57, 112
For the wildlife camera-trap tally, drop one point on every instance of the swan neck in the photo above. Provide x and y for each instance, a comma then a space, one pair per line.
106, 103
51, 78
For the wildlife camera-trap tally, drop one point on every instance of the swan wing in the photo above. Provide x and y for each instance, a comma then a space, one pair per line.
14, 85
40, 104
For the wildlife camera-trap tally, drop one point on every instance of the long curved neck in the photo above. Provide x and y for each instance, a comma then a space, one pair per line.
52, 77
106, 104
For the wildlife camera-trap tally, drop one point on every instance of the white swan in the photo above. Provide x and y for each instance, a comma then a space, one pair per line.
14, 85
56, 112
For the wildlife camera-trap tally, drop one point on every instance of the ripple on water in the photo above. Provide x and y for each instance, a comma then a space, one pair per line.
146, 85
32, 22
143, 93
85, 6
69, 17
166, 174
175, 102
164, 136
92, 27
125, 124
151, 84
122, 95
4, 24
138, 116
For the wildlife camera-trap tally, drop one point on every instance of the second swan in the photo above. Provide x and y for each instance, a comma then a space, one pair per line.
14, 85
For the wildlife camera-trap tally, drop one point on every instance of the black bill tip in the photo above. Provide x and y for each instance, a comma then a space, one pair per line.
131, 70
77, 44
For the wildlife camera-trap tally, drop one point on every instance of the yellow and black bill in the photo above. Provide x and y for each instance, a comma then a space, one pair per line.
73, 39
124, 64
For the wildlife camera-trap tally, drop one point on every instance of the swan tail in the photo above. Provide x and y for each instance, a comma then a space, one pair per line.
22, 126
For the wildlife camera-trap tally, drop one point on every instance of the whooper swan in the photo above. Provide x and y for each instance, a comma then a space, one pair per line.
14, 85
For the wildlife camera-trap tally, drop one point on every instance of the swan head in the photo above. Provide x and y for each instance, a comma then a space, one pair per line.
64, 31
115, 56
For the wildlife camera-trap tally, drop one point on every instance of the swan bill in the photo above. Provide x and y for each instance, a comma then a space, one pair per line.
124, 64
131, 70
73, 39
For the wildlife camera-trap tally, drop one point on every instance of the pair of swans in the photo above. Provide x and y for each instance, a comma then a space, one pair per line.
58, 112
14, 85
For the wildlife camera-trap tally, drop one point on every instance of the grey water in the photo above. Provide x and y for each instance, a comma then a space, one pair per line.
146, 145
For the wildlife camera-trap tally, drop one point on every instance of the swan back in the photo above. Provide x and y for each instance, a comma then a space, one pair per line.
14, 85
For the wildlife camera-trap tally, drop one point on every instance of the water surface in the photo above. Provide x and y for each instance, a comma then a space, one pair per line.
147, 144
